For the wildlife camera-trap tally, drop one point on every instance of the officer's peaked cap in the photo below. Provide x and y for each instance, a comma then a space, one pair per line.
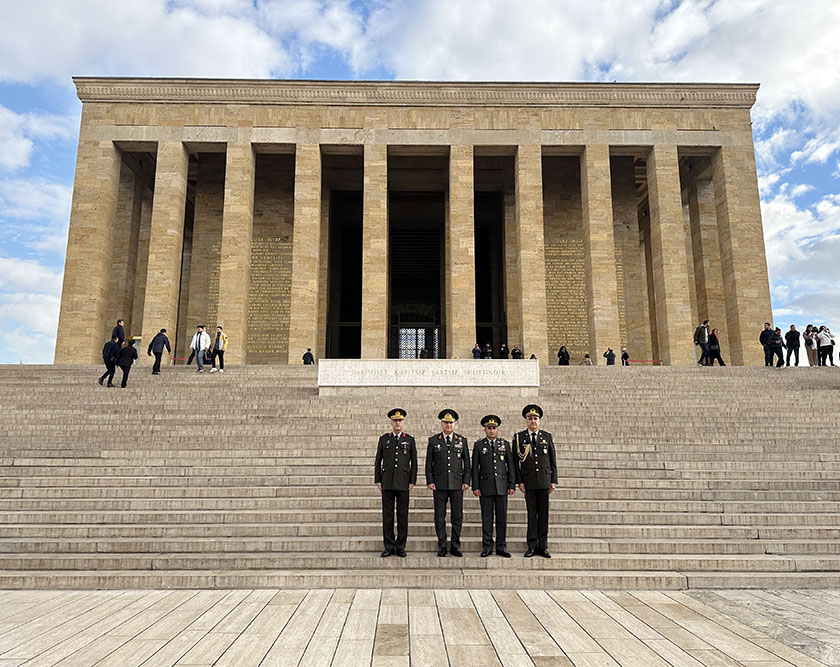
532, 409
396, 413
448, 415
491, 420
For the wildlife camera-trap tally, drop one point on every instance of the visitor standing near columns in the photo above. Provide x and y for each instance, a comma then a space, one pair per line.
493, 480
516, 353
563, 356
487, 351
810, 337
110, 352
395, 474
826, 345
609, 355
701, 339
536, 475
156, 346
199, 344
119, 332
504, 353
218, 350
714, 348
792, 343
764, 338
447, 476
127, 357
776, 345
476, 352
625, 357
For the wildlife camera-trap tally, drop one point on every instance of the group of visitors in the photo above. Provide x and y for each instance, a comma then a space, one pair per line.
486, 352
119, 352
818, 341
707, 339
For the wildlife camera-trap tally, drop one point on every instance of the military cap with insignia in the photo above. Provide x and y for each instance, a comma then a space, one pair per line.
491, 420
532, 409
396, 413
448, 415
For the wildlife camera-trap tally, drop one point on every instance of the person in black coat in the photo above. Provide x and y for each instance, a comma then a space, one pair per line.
448, 476
119, 332
125, 360
776, 345
609, 355
714, 348
563, 356
764, 339
109, 356
504, 353
159, 342
516, 353
308, 358
487, 351
792, 344
536, 475
493, 480
395, 474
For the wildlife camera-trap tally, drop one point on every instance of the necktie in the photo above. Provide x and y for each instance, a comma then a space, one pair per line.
448, 441
534, 438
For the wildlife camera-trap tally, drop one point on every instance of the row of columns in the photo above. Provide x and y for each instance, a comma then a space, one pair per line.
724, 217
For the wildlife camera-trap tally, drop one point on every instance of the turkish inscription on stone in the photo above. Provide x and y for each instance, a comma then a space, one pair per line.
566, 298
269, 299
428, 373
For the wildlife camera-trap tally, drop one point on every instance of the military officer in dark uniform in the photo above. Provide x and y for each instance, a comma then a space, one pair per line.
395, 474
493, 480
447, 475
536, 475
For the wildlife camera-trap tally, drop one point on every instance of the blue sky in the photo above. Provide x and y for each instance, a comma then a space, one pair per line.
791, 47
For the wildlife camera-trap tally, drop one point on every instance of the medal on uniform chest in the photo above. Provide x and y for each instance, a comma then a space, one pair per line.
484, 450
545, 450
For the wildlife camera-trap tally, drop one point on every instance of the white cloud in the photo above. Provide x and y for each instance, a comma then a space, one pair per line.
18, 133
34, 200
26, 346
24, 275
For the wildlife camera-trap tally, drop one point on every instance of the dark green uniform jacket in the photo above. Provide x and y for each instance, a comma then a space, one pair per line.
539, 468
493, 467
447, 467
396, 462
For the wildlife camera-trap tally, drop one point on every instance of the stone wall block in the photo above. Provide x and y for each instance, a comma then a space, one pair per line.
375, 253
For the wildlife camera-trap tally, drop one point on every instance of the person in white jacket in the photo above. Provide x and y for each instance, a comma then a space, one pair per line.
826, 346
199, 344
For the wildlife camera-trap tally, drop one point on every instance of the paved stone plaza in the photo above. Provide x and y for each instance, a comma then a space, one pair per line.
397, 627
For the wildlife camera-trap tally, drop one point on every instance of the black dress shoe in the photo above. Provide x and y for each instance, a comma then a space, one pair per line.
530, 553
502, 553
455, 551
387, 552
101, 380
401, 553
544, 553
441, 552
485, 553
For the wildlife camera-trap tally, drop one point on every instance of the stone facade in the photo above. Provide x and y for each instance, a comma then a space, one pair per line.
622, 215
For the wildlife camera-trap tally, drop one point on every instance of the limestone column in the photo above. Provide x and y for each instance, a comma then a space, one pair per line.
166, 241
531, 264
743, 262
82, 329
142, 263
668, 258
235, 262
460, 254
599, 250
306, 246
513, 311
706, 255
375, 253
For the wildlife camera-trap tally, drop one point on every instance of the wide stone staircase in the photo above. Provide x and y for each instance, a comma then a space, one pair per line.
669, 478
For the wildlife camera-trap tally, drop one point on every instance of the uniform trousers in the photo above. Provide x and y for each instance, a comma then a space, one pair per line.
536, 502
491, 505
456, 499
389, 498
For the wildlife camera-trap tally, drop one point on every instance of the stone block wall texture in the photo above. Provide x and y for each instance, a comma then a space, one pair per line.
235, 261
460, 254
166, 243
87, 268
375, 253
139, 300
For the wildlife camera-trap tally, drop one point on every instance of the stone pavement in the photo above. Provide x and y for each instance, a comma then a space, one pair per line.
380, 627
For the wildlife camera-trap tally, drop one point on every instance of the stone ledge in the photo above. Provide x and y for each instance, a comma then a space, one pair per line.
415, 93
428, 373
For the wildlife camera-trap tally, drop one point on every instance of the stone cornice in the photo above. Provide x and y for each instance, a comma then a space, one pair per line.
414, 93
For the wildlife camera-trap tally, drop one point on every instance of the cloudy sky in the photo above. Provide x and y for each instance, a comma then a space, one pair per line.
791, 47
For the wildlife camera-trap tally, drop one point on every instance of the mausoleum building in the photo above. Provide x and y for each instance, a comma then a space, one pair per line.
381, 219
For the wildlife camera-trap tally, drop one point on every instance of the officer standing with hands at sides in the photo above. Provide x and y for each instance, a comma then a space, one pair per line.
395, 474
493, 480
447, 475
536, 475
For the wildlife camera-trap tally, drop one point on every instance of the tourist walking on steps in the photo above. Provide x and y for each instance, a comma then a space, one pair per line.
810, 339
218, 350
308, 358
536, 475
826, 345
126, 359
110, 352
199, 344
625, 358
493, 480
792, 344
609, 355
395, 474
764, 339
714, 348
156, 346
701, 339
476, 352
119, 332
447, 477
563, 356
